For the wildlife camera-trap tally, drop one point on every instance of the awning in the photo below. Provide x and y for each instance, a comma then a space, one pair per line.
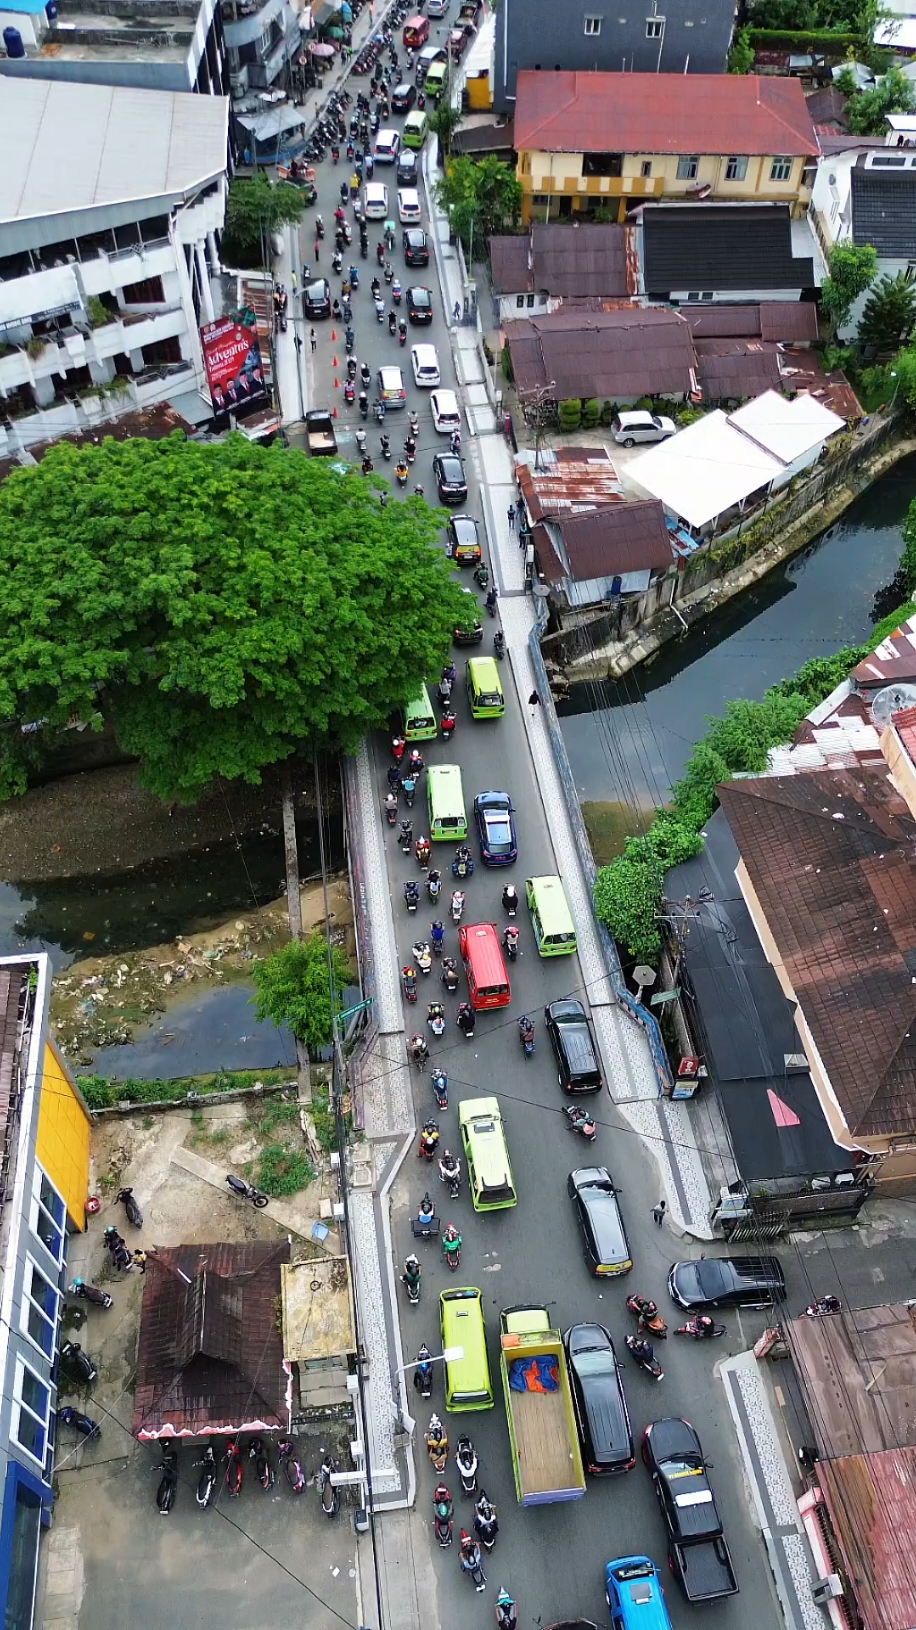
266, 126
52, 293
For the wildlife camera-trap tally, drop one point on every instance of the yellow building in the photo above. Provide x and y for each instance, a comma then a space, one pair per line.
589, 141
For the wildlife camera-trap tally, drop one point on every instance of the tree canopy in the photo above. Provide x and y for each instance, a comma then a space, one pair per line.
851, 267
479, 198
867, 110
889, 313
223, 606
294, 988
256, 207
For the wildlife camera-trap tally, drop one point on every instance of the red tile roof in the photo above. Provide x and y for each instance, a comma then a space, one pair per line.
210, 1355
905, 725
565, 112
832, 858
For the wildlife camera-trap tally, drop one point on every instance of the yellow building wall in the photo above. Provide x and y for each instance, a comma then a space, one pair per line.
64, 1130
560, 175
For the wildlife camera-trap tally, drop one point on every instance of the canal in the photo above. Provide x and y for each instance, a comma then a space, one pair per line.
628, 740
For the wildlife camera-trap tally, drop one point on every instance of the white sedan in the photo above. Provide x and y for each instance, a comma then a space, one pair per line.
409, 206
425, 364
376, 201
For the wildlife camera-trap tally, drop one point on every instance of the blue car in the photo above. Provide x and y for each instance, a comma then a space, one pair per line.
493, 814
634, 1594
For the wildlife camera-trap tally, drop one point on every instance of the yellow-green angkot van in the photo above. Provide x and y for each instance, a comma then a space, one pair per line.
467, 1379
551, 918
420, 722
448, 819
416, 129
485, 691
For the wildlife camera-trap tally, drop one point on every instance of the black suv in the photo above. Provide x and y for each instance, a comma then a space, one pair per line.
403, 98
419, 304
727, 1281
573, 1042
316, 298
408, 169
599, 1401
416, 247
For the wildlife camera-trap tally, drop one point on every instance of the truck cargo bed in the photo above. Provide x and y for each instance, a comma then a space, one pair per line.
705, 1569
542, 1436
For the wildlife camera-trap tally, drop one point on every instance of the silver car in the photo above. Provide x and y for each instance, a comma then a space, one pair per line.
630, 428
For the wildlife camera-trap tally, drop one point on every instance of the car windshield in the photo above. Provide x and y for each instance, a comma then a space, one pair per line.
420, 297
594, 1362
712, 1278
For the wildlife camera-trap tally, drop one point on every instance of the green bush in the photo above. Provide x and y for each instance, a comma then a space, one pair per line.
628, 892
608, 410
802, 40
689, 415
644, 405
506, 361
280, 1170
591, 413
570, 415
104, 1092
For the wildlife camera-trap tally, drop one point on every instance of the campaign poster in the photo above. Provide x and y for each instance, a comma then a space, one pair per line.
232, 357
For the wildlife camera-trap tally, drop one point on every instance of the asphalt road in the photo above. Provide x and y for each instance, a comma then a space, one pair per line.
551, 1559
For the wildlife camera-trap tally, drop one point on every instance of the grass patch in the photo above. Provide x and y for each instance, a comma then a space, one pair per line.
281, 1170
610, 824
104, 1092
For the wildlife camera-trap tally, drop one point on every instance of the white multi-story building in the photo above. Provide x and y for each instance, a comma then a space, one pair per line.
111, 204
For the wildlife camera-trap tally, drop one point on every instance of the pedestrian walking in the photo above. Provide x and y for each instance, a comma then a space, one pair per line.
313, 339
658, 1213
511, 517
456, 314
520, 506
534, 702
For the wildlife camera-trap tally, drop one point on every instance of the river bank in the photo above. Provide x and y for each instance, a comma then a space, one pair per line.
100, 1001
617, 658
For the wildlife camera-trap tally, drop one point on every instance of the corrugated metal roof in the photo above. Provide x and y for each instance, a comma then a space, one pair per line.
615, 540
891, 662
568, 481
509, 269
614, 355
566, 112
73, 147
872, 1505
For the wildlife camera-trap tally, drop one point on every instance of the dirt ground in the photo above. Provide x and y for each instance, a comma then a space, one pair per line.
97, 1001
104, 821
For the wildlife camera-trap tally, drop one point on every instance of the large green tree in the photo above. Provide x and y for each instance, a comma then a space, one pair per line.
256, 207
479, 198
867, 111
851, 267
889, 313
294, 988
223, 606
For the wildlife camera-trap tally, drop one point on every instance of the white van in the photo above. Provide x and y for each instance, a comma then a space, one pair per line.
425, 364
446, 414
631, 428
376, 201
387, 146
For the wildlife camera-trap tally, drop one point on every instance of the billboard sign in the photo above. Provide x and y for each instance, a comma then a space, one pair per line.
235, 372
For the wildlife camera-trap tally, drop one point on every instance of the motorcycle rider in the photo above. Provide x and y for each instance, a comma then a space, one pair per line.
434, 1012
485, 1523
412, 1272
426, 1210
411, 894
401, 471
406, 836
451, 1243
450, 973
510, 898
422, 849
448, 723
642, 1350
703, 1325
449, 1167
525, 1030
419, 1051
506, 1612
436, 1437
391, 805
466, 1019
510, 940
444, 1512
470, 1559
423, 1373
457, 906
429, 1137
433, 883
437, 934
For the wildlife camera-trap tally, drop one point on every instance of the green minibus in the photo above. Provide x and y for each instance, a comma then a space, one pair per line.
485, 692
416, 126
551, 919
435, 81
489, 1172
467, 1379
419, 719
447, 818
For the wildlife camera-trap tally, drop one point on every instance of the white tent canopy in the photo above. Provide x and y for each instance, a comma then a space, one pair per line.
704, 470
786, 429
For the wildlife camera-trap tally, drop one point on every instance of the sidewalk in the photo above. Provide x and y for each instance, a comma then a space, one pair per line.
664, 1126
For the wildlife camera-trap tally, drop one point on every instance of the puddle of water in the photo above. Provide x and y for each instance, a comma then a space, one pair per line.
628, 741
214, 1030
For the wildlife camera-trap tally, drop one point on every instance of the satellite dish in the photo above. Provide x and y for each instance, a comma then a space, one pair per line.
893, 699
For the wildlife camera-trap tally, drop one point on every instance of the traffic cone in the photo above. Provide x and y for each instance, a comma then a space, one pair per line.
336, 383
333, 336
334, 363
334, 414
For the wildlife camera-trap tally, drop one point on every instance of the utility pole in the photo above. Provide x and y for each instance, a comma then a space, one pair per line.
539, 401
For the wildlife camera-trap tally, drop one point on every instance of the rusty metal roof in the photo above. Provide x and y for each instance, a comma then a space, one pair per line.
613, 355
210, 1355
569, 481
617, 539
892, 662
859, 1370
832, 858
872, 1505
731, 368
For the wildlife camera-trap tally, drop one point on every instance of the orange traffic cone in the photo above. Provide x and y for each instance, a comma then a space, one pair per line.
334, 414
336, 383
333, 335
334, 363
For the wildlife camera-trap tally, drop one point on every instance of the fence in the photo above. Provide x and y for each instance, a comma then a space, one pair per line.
635, 1010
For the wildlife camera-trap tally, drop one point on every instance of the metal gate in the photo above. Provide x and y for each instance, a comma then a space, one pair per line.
753, 1231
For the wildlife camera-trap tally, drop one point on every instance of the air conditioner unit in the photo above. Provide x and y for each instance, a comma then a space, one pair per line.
238, 82
827, 1590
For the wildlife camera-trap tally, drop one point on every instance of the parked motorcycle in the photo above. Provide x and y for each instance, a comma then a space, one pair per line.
247, 1191
823, 1307
90, 1293
649, 1363
206, 1482
168, 1484
328, 1492
84, 1424
134, 1214
77, 1363
257, 1451
234, 1469
293, 1472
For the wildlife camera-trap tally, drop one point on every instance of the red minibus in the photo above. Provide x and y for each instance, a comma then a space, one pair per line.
416, 32
481, 953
